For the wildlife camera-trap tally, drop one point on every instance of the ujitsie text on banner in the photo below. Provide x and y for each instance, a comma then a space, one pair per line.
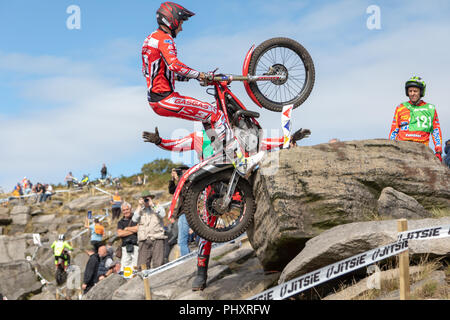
332, 271
425, 234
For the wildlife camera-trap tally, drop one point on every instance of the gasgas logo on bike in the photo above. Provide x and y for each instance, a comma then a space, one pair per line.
191, 103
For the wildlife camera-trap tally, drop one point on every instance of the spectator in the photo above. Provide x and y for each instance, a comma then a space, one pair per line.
40, 190
183, 226
417, 120
90, 272
24, 182
17, 192
48, 192
97, 232
26, 187
447, 153
106, 263
127, 230
69, 180
116, 203
172, 238
150, 231
103, 171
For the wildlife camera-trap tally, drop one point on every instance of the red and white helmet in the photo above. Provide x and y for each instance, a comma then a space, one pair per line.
171, 14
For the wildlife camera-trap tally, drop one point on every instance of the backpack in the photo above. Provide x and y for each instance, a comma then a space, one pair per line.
99, 229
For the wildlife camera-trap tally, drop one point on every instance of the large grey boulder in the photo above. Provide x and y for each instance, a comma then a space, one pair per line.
347, 240
105, 288
4, 210
19, 209
18, 280
397, 205
88, 203
318, 187
43, 219
133, 289
12, 248
21, 219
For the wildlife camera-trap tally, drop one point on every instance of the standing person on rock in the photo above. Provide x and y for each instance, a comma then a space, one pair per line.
103, 172
183, 226
447, 153
151, 236
127, 230
200, 142
116, 203
97, 232
91, 269
416, 119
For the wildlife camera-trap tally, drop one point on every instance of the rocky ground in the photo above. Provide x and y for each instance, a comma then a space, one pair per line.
327, 203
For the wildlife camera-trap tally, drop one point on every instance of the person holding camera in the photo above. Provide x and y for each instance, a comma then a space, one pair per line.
183, 226
151, 236
127, 230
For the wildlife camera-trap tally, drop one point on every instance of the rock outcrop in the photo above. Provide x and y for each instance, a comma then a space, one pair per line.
318, 187
395, 204
18, 280
347, 240
88, 202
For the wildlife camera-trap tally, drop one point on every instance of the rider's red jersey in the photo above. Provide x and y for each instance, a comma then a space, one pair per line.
160, 64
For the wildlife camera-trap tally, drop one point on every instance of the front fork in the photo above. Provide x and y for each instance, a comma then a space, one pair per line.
226, 200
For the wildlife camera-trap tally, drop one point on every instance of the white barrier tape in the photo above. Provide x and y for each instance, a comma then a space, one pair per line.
35, 194
174, 263
332, 271
425, 234
337, 269
165, 205
95, 187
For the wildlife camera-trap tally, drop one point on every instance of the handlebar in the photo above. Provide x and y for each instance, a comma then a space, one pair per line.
211, 78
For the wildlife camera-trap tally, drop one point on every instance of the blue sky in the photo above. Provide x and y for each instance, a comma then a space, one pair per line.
74, 99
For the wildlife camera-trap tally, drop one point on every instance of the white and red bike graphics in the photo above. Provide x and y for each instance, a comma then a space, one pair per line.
216, 195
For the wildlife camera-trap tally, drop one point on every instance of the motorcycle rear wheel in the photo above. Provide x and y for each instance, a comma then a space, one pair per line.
200, 204
60, 276
282, 56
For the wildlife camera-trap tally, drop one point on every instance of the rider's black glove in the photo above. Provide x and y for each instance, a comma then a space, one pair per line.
152, 137
300, 134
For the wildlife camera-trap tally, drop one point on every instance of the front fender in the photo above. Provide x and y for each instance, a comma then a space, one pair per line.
247, 59
195, 173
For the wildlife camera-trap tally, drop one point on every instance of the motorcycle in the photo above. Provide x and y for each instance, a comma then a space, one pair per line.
80, 184
216, 195
61, 271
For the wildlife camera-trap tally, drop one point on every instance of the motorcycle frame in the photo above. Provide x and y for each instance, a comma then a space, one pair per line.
220, 83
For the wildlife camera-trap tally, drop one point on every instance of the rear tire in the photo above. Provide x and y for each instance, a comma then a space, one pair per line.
229, 232
60, 276
295, 89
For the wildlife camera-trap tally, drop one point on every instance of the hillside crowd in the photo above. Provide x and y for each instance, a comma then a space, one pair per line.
41, 192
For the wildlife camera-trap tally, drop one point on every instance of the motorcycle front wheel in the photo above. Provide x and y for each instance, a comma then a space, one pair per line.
205, 215
282, 56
